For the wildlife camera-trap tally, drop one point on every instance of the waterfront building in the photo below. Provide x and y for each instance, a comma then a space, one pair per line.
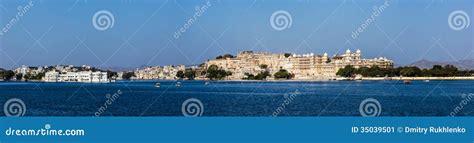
82, 76
303, 66
158, 72
26, 70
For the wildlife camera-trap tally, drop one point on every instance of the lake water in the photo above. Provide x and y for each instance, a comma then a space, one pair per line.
237, 98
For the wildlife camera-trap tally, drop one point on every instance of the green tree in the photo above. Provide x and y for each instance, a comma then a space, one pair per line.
283, 74
451, 70
180, 74
438, 71
190, 74
249, 76
215, 73
19, 76
407, 72
225, 56
111, 74
376, 71
263, 75
347, 71
128, 75
8, 75
364, 71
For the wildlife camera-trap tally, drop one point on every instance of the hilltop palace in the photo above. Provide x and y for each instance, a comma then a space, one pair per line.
304, 67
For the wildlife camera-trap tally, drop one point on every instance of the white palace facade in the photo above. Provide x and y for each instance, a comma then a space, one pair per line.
81, 76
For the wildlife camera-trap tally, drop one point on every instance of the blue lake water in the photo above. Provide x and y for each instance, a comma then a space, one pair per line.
236, 98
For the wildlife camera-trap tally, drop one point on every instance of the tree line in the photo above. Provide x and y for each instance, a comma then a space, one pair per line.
213, 72
407, 71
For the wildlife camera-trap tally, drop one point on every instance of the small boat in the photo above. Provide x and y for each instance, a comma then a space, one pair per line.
157, 85
207, 83
178, 84
407, 81
426, 81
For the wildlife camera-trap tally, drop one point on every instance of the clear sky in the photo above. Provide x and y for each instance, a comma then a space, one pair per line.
143, 33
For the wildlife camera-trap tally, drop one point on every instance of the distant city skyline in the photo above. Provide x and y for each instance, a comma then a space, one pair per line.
173, 32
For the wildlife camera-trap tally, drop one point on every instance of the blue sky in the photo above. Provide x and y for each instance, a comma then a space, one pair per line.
62, 32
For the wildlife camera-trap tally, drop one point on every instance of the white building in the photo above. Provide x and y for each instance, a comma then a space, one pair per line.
83, 76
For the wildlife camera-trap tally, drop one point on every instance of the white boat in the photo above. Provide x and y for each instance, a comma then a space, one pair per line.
426, 81
178, 84
157, 85
207, 83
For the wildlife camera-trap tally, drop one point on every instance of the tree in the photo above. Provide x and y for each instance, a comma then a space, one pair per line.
450, 70
438, 71
214, 72
19, 76
262, 75
347, 71
225, 56
8, 75
287, 55
180, 74
407, 72
376, 71
190, 74
111, 74
128, 75
364, 71
249, 76
263, 66
283, 74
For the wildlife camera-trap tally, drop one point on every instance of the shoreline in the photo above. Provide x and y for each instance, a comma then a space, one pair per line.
418, 78
291, 80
